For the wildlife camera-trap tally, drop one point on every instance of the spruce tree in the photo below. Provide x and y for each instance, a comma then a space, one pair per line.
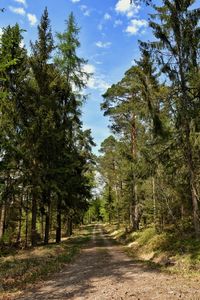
13, 72
73, 80
41, 130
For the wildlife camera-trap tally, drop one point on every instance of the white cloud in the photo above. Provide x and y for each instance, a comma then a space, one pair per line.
85, 10
75, 1
126, 8
118, 22
88, 68
96, 81
100, 44
135, 26
17, 10
21, 2
32, 19
21, 11
107, 16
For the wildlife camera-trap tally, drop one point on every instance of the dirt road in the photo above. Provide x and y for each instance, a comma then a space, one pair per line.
103, 271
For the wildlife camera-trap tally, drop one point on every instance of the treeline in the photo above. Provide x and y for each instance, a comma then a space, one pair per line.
45, 155
150, 165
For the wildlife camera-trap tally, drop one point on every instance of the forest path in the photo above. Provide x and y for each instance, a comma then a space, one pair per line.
104, 272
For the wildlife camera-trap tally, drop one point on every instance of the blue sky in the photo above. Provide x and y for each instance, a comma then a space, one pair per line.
109, 33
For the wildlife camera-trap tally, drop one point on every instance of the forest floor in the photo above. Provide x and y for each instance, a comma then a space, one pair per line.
103, 271
21, 268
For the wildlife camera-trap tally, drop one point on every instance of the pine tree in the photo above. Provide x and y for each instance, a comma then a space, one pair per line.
133, 105
177, 54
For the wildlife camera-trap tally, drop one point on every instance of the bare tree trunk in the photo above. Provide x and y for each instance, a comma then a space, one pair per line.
33, 221
26, 221
195, 200
154, 200
2, 220
117, 202
131, 218
4, 206
47, 199
137, 213
20, 221
47, 223
134, 213
58, 227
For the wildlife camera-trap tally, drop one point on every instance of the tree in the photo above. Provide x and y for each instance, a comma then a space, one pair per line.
154, 112
46, 156
70, 68
134, 104
13, 72
176, 50
41, 128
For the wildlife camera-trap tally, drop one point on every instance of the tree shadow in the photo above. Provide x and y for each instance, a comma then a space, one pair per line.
101, 259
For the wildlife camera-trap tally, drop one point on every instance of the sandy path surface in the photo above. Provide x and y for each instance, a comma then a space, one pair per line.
103, 271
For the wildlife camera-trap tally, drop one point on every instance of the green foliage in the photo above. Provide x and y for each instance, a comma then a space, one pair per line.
46, 161
94, 211
150, 167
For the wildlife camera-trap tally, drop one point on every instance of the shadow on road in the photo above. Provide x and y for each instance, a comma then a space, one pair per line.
101, 261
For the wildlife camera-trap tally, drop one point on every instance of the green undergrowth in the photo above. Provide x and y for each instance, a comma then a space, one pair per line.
173, 252
24, 267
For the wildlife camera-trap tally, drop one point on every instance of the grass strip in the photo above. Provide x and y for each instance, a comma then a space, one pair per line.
166, 251
32, 265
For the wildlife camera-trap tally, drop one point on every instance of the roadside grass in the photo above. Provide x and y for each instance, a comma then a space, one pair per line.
24, 267
167, 251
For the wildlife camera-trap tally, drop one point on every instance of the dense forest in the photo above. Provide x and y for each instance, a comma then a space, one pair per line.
150, 163
147, 173
46, 159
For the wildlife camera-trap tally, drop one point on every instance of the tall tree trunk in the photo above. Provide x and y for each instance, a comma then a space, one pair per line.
27, 220
154, 202
110, 203
134, 213
136, 208
117, 202
47, 199
47, 223
2, 220
33, 221
20, 221
58, 226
